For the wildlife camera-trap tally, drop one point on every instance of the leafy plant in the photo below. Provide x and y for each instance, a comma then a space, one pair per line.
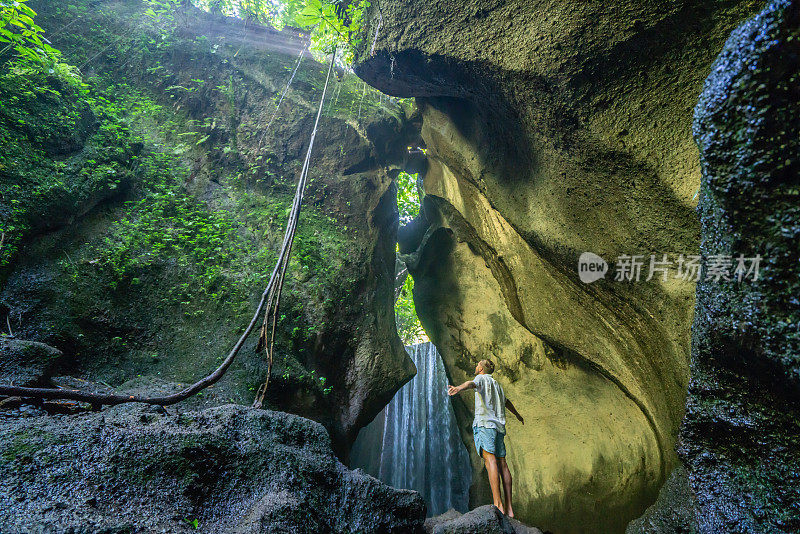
162, 14
408, 326
23, 35
336, 24
408, 197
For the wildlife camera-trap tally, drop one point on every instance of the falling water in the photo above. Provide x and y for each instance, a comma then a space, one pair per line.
414, 443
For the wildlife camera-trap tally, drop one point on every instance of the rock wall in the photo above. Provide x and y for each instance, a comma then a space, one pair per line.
149, 201
553, 129
741, 435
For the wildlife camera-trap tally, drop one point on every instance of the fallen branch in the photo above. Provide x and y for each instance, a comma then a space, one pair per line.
110, 399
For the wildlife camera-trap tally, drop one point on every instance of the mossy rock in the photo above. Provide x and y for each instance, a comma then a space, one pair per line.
158, 276
228, 469
27, 363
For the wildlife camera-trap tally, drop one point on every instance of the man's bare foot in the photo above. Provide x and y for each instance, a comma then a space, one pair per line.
510, 512
500, 507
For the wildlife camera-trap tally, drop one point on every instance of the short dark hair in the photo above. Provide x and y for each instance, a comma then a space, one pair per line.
487, 366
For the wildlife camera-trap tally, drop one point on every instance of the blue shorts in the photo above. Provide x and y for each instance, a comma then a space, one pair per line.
490, 440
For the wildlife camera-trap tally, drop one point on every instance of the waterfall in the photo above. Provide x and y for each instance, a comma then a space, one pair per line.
414, 442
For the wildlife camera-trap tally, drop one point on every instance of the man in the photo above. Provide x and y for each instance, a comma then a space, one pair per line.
489, 429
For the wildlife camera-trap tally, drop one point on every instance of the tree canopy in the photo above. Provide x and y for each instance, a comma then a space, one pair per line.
332, 23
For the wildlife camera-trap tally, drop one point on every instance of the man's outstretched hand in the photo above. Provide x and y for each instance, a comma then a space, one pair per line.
454, 390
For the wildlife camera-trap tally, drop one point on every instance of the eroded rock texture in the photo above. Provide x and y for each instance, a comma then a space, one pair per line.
552, 129
149, 206
483, 520
228, 469
741, 435
26, 363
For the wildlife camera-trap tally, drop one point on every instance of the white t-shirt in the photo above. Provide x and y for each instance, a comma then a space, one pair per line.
490, 404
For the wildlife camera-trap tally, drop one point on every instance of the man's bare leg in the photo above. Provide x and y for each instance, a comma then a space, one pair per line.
494, 478
505, 474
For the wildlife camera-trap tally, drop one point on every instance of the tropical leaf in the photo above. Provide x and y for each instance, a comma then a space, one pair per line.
24, 36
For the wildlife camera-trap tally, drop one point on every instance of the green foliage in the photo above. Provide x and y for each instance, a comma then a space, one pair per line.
22, 35
160, 9
334, 24
167, 222
408, 326
408, 204
408, 195
162, 15
53, 160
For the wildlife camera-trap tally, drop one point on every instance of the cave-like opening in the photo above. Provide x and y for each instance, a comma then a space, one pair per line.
414, 442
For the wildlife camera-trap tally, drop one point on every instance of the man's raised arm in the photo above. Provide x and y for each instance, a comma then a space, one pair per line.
513, 410
454, 390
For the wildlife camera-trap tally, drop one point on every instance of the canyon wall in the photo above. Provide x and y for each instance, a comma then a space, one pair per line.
554, 129
145, 197
741, 434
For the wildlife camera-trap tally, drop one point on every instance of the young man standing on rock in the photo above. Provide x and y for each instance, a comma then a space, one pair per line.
489, 429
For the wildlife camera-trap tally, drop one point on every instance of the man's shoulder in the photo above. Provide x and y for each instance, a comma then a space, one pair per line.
485, 379
494, 383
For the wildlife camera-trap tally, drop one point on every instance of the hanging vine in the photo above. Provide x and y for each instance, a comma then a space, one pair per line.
267, 338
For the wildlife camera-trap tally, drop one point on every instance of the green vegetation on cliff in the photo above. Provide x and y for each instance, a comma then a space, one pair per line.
144, 200
65, 148
408, 202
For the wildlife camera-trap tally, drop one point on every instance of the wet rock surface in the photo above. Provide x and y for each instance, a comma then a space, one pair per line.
741, 435
26, 363
483, 520
227, 469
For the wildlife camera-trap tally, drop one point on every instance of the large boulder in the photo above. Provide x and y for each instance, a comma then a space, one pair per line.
553, 129
228, 469
485, 519
740, 438
27, 363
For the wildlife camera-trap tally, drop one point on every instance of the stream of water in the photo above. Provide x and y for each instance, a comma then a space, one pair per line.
414, 442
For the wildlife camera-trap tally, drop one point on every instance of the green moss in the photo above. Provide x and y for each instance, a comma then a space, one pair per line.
22, 445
